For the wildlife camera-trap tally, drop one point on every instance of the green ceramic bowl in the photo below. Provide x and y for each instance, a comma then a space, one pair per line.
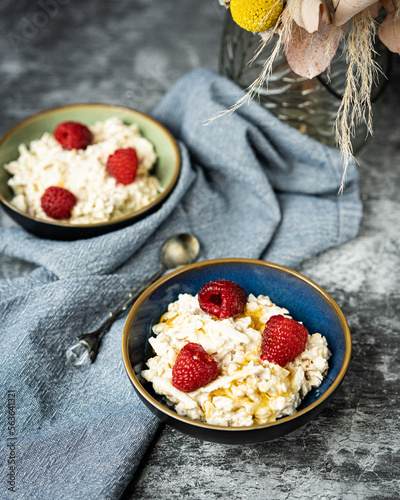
167, 168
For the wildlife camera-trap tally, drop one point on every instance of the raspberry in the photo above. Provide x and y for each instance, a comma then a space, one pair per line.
222, 298
73, 135
57, 202
193, 368
123, 165
283, 340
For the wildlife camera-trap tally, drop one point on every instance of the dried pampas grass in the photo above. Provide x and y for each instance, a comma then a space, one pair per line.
361, 74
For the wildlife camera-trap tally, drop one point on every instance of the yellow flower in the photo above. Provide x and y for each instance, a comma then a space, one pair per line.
256, 15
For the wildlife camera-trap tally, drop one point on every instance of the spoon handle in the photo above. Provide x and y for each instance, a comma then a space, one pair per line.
132, 296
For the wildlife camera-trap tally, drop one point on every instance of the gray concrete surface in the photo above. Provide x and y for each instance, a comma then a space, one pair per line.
130, 53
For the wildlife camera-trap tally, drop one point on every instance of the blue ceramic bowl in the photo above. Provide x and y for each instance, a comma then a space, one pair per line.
304, 299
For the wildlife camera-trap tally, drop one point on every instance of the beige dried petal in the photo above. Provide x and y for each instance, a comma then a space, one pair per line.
308, 13
390, 5
346, 9
326, 14
309, 54
389, 32
374, 9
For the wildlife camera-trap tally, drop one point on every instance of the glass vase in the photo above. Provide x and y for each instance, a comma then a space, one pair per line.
310, 106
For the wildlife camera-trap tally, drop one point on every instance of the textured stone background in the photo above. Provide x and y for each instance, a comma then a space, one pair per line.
130, 53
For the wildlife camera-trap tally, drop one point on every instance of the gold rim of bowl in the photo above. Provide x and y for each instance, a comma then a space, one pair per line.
172, 413
117, 220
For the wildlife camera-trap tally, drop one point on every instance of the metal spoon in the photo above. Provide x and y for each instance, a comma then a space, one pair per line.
180, 250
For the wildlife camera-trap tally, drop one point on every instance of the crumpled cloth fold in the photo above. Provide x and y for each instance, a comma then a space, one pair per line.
250, 187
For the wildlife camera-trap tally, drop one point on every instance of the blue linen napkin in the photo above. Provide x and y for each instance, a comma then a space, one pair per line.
250, 187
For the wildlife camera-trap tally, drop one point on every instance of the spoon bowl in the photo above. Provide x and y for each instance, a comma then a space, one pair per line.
180, 250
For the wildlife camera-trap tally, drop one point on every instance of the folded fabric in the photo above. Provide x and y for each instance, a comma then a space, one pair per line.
250, 187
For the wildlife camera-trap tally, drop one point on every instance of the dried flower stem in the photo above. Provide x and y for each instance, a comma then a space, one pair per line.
262, 78
361, 73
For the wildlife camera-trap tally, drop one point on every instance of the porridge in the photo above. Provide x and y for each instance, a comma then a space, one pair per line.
84, 172
245, 389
